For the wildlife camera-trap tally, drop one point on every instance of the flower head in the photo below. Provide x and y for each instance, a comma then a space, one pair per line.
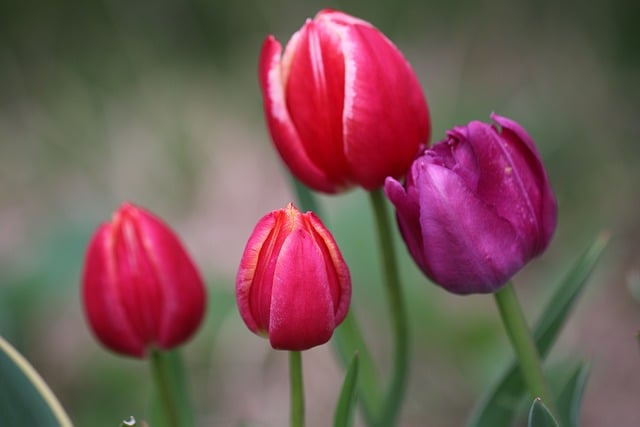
139, 287
476, 206
342, 104
292, 284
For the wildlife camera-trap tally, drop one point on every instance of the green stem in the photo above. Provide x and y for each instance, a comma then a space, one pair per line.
523, 344
160, 366
297, 389
397, 386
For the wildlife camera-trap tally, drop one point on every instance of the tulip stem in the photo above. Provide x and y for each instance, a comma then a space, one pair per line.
397, 386
297, 389
523, 344
167, 392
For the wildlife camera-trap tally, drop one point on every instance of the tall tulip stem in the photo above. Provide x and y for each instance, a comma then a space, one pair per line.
297, 389
397, 385
523, 344
167, 394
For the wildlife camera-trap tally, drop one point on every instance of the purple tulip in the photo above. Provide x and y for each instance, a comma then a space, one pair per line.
476, 206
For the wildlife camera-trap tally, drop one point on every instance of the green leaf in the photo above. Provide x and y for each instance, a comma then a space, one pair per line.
25, 399
570, 397
500, 405
345, 408
539, 415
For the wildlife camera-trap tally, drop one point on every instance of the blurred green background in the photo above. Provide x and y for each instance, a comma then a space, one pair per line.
158, 103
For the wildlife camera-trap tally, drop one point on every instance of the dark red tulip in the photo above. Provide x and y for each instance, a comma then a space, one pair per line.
140, 289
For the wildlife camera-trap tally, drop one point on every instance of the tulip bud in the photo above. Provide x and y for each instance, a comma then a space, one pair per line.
476, 207
342, 104
293, 284
140, 288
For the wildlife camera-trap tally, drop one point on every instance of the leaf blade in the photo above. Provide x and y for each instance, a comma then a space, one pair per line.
25, 398
345, 408
570, 397
540, 416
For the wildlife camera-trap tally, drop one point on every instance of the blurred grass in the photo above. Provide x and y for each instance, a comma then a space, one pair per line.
102, 101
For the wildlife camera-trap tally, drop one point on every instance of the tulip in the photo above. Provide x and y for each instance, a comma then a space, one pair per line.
342, 104
476, 206
292, 284
141, 291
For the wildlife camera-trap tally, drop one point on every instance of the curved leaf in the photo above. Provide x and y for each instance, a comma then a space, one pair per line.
570, 397
25, 399
345, 408
539, 415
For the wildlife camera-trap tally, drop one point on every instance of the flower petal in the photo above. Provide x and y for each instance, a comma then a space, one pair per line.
468, 247
302, 311
386, 119
252, 290
102, 296
337, 269
315, 97
283, 132
506, 180
179, 287
408, 218
537, 185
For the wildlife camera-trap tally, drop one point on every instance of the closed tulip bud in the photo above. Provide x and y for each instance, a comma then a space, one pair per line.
342, 104
292, 284
140, 289
476, 207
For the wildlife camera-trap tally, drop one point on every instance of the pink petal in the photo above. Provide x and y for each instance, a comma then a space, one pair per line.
282, 129
252, 297
179, 288
315, 98
337, 269
302, 311
385, 113
103, 298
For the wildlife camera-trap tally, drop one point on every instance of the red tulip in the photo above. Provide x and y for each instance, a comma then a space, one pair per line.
342, 104
476, 207
140, 288
293, 284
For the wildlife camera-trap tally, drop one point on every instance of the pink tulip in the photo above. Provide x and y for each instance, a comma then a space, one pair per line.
140, 289
342, 104
293, 284
476, 207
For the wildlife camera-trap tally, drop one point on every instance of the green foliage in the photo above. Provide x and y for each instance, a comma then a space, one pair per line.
540, 416
570, 397
25, 399
345, 409
500, 405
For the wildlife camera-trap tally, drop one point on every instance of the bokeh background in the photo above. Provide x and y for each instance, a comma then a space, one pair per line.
157, 103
